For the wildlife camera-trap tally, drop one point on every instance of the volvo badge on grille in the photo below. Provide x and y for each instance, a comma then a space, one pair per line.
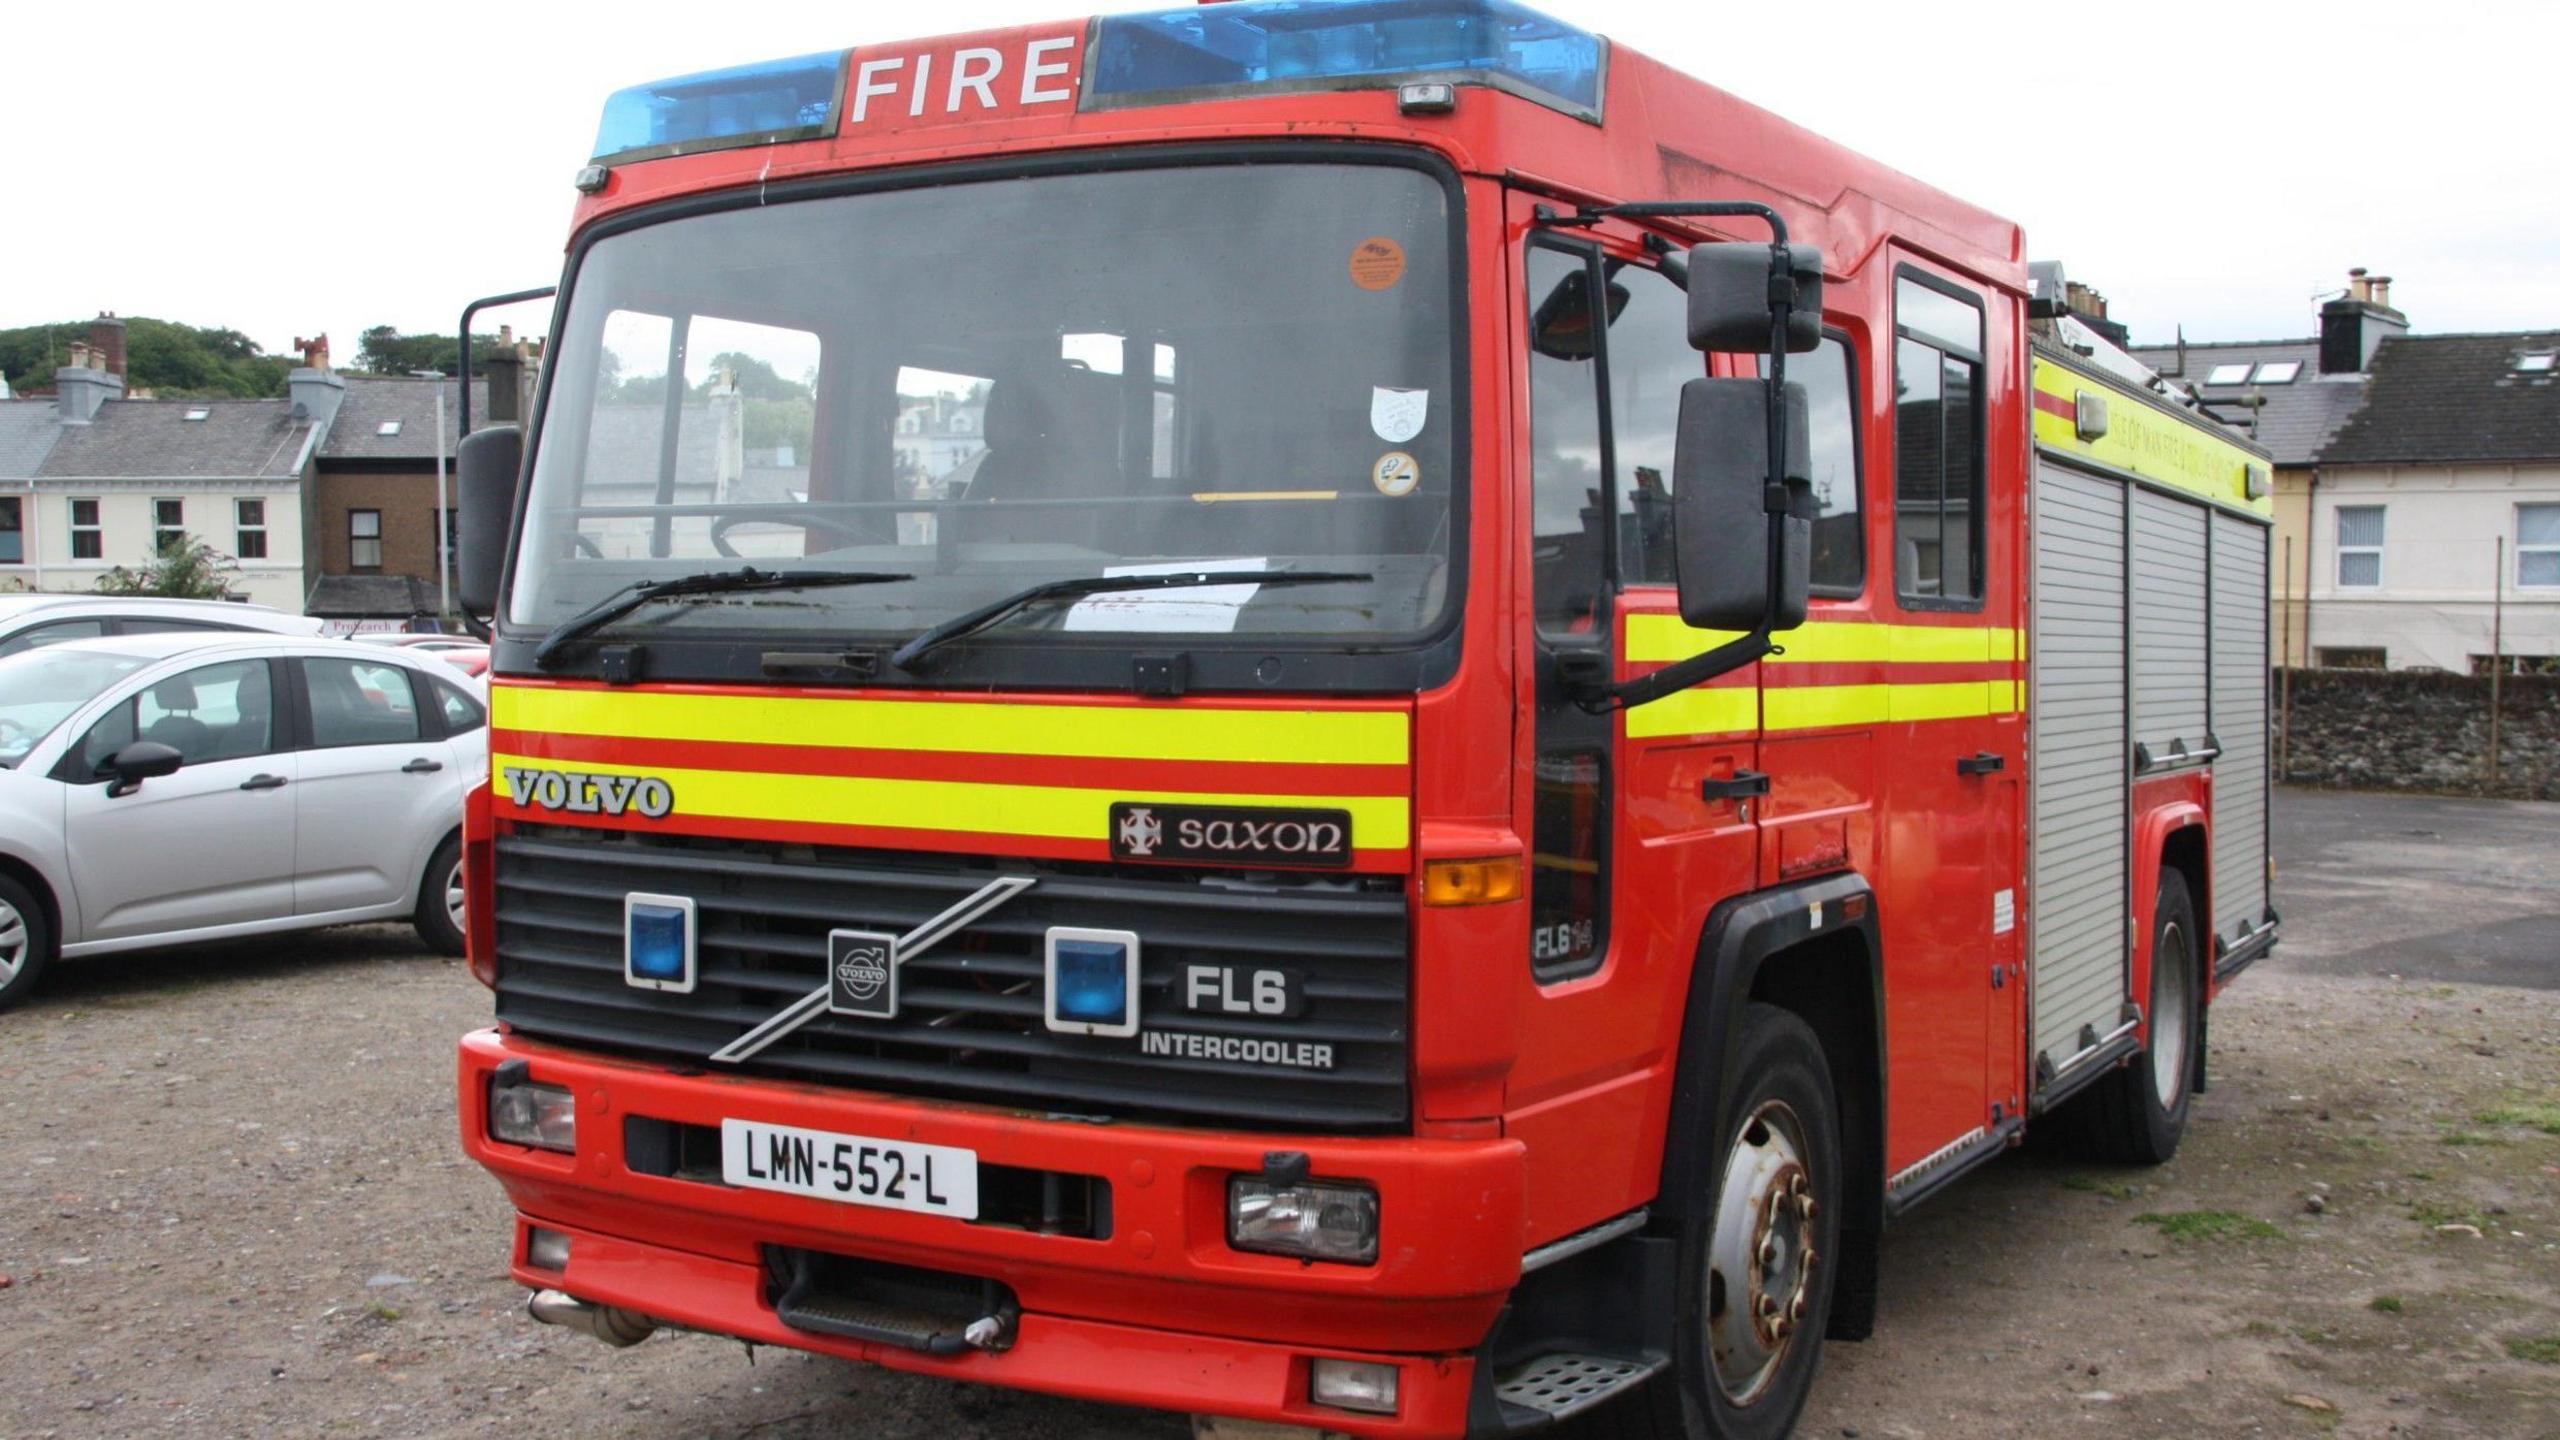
1230, 835
862, 974
579, 794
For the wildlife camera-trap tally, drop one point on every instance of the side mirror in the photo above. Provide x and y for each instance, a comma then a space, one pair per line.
1720, 479
486, 470
1729, 298
142, 760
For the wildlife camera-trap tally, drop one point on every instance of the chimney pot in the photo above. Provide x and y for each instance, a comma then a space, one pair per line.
106, 343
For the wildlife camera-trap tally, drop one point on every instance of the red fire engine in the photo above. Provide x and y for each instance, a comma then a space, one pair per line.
1363, 716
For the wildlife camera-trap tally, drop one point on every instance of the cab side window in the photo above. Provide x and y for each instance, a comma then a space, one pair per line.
1650, 358
1937, 444
462, 714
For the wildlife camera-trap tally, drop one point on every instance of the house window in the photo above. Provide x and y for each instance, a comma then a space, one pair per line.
1937, 444
2359, 547
2538, 545
364, 539
387, 427
2228, 374
13, 538
168, 524
199, 413
86, 541
2537, 362
2356, 657
2277, 372
252, 515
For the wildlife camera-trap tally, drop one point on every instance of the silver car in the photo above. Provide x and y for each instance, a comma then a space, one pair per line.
184, 786
31, 621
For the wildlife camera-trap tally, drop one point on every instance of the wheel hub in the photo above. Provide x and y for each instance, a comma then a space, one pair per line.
1760, 1281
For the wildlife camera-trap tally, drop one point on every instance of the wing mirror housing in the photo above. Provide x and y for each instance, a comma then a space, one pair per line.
142, 760
1721, 479
487, 469
1733, 287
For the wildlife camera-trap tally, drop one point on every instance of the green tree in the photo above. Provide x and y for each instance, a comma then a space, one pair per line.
383, 350
162, 356
184, 569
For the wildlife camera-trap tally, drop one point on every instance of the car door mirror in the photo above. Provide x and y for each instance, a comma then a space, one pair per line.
1719, 497
142, 760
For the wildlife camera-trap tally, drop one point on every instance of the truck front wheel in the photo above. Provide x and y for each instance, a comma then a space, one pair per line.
1757, 1255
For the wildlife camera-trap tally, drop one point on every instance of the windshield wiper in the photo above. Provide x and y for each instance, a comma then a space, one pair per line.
961, 626
715, 582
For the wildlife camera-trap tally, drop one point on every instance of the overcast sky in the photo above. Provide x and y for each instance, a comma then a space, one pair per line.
285, 169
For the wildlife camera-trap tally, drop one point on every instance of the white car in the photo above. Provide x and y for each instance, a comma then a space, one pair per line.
195, 785
31, 621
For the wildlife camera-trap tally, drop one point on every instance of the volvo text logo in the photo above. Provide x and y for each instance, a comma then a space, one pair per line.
862, 972
576, 794
1140, 832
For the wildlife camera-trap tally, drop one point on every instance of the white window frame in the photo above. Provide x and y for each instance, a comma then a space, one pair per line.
356, 538
2344, 549
2276, 372
2242, 378
162, 534
96, 529
242, 529
2523, 549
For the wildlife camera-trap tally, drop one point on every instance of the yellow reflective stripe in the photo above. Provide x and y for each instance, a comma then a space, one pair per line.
1063, 812
1808, 707
2146, 441
1301, 737
1706, 710
1660, 639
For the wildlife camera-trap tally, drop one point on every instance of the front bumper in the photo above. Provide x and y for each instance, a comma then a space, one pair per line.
1160, 1313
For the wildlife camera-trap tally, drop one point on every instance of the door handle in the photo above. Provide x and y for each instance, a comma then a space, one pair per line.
263, 782
1982, 763
421, 766
1740, 785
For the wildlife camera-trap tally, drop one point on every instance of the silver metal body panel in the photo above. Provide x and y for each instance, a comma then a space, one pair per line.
2240, 774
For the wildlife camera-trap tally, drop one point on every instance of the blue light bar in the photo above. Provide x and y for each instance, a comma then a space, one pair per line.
791, 99
1269, 46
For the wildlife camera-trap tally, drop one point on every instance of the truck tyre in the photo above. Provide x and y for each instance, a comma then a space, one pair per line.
1753, 1293
26, 942
439, 913
2137, 1113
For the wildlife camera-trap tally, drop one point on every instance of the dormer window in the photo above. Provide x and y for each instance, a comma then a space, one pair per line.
387, 427
2277, 372
2228, 375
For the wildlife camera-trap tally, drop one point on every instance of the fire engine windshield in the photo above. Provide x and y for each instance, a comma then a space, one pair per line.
987, 386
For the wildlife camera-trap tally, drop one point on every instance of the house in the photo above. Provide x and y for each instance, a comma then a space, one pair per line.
119, 476
2291, 396
374, 515
2435, 517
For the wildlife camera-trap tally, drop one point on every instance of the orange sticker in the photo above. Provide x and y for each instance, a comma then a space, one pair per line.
1377, 263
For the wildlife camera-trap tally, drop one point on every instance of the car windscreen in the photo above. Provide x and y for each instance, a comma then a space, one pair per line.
40, 688
987, 386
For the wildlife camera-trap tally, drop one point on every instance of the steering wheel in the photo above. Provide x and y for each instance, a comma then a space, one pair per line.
15, 737
721, 527
585, 546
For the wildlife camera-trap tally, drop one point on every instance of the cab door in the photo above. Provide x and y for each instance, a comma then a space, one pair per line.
1636, 818
211, 844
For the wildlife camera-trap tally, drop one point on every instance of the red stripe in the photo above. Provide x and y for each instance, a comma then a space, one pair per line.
1199, 776
1872, 672
2053, 404
963, 842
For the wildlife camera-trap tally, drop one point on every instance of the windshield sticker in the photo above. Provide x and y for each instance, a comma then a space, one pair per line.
1377, 263
1396, 474
1398, 415
1208, 610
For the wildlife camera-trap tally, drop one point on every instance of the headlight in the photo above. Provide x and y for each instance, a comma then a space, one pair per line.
1311, 1219
543, 1116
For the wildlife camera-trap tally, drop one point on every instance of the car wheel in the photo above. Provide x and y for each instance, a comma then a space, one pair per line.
2136, 1115
440, 915
26, 942
1757, 1259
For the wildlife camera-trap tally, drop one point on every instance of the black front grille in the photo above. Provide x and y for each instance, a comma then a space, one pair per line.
970, 1023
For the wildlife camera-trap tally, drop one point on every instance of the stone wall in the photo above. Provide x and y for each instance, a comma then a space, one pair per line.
2403, 730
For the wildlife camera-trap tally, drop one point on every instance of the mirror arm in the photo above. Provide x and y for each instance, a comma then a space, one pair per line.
480, 629
1748, 649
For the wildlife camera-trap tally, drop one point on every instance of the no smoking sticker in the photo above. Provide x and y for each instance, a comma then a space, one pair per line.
1395, 474
1377, 263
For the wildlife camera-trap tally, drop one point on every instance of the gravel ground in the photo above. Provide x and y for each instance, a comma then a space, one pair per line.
231, 1204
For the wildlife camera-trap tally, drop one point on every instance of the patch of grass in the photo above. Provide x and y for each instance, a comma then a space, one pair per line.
2263, 1329
2428, 1212
2209, 1225
2310, 1335
2542, 1117
2422, 1174
2092, 1185
2535, 1349
2472, 1138
379, 1311
2387, 1304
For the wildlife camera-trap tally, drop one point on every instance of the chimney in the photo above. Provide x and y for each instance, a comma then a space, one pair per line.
505, 370
80, 387
106, 341
2355, 324
313, 387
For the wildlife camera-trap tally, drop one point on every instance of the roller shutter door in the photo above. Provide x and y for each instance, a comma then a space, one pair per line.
2240, 775
2169, 653
2077, 901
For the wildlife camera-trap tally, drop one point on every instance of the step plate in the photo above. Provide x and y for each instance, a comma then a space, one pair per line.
1563, 1385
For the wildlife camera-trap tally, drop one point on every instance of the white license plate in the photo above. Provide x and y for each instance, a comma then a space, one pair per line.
854, 1169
